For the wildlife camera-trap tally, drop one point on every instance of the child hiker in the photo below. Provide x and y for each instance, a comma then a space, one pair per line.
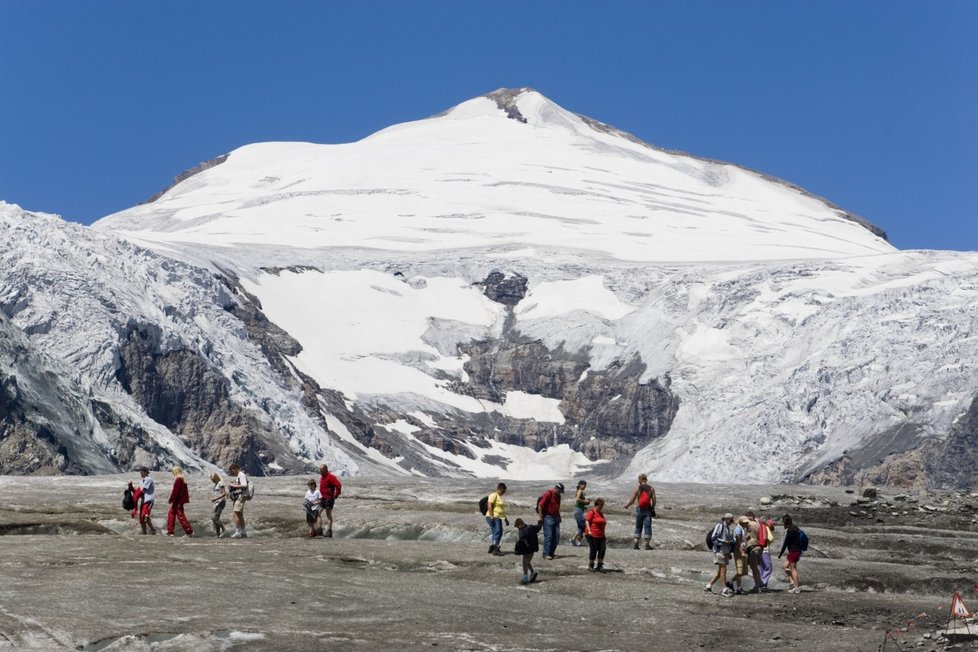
526, 545
312, 504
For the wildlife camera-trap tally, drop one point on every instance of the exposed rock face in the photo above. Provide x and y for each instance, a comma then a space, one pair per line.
507, 290
180, 391
955, 462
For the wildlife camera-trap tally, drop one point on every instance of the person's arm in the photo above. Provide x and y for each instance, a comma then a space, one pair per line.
491, 509
632, 499
338, 485
784, 544
587, 523
652, 496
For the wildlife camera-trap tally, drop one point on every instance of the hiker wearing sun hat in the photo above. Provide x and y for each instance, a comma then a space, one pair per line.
548, 507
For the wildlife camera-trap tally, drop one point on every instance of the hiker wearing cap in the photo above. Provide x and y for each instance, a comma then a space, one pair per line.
238, 486
766, 566
752, 548
721, 544
740, 553
644, 499
147, 496
548, 506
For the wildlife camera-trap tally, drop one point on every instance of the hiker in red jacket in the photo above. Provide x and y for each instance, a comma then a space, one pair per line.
330, 488
549, 508
179, 496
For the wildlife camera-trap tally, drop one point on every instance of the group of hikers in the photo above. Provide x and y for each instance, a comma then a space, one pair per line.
591, 523
319, 501
748, 543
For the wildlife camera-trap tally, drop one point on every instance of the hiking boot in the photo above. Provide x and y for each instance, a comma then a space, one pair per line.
739, 591
497, 552
533, 577
635, 546
525, 580
727, 593
796, 589
648, 545
600, 568
492, 549
708, 588
549, 557
329, 534
590, 568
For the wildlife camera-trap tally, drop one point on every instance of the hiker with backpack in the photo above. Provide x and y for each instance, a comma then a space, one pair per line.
239, 494
526, 545
548, 507
795, 542
495, 517
644, 499
179, 496
330, 488
720, 541
594, 525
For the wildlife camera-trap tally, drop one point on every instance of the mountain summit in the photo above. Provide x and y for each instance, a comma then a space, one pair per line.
504, 171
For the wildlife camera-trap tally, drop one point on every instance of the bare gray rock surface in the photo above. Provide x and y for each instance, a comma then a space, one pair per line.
408, 570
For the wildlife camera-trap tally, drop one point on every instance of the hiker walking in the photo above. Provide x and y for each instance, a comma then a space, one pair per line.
793, 544
721, 542
147, 496
179, 496
219, 502
526, 545
594, 525
644, 499
238, 487
580, 505
495, 517
548, 506
753, 547
330, 488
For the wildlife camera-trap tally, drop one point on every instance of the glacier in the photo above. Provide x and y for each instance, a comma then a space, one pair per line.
511, 290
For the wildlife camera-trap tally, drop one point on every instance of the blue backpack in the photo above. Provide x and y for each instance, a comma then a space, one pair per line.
802, 540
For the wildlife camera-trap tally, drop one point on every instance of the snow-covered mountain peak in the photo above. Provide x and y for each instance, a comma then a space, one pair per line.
507, 171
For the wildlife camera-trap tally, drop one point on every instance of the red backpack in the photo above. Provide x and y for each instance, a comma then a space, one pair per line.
762, 532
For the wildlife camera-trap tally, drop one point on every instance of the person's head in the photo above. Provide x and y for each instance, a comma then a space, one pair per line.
519, 524
234, 469
581, 484
311, 484
501, 488
143, 471
215, 478
559, 487
599, 504
728, 518
743, 520
642, 478
770, 523
786, 521
323, 470
749, 514
177, 472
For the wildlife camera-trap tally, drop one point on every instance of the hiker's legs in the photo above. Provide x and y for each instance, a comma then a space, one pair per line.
527, 566
550, 534
145, 521
496, 528
184, 522
602, 546
329, 519
579, 518
216, 517
592, 551
766, 567
791, 568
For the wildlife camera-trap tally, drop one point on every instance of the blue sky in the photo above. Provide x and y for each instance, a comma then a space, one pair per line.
871, 104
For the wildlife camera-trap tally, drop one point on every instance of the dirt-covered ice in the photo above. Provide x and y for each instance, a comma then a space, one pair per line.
408, 569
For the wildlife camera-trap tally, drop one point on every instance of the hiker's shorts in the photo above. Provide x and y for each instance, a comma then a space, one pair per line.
721, 558
239, 505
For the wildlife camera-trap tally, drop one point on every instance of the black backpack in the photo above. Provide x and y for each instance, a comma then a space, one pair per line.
128, 503
484, 505
710, 535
